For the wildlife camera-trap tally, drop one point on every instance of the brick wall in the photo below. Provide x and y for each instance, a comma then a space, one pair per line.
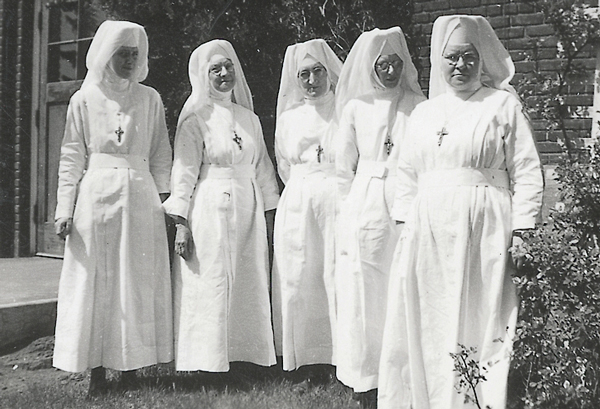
521, 28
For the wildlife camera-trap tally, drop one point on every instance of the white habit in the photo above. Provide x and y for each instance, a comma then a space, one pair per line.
461, 196
114, 297
221, 301
369, 139
304, 307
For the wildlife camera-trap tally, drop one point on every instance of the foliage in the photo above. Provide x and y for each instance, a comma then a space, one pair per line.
259, 30
557, 351
576, 28
470, 374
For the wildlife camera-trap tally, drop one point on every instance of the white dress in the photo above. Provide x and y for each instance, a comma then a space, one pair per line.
114, 302
451, 282
366, 234
303, 276
222, 309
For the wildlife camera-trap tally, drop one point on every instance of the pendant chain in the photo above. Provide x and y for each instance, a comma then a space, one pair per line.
444, 131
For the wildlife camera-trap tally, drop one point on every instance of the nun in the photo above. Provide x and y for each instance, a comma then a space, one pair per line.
376, 93
304, 288
470, 182
114, 297
222, 184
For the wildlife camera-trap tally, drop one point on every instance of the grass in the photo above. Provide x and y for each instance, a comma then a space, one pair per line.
244, 387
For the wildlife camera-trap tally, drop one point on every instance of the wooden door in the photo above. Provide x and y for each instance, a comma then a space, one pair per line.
66, 28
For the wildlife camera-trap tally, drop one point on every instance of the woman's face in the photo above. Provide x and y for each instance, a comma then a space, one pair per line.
221, 73
388, 69
460, 66
313, 78
124, 61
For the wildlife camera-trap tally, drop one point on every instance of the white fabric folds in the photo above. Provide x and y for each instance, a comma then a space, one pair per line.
304, 307
451, 275
114, 297
222, 187
368, 141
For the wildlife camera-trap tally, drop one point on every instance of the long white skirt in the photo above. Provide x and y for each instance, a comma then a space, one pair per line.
114, 297
366, 239
450, 285
222, 309
304, 305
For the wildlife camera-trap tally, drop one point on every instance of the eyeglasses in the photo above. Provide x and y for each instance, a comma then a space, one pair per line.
385, 65
317, 72
217, 68
468, 58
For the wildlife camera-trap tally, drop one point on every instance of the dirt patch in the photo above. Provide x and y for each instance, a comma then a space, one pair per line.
31, 365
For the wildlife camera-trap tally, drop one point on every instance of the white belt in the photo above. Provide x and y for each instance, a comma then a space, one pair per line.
307, 169
376, 169
227, 172
115, 161
464, 177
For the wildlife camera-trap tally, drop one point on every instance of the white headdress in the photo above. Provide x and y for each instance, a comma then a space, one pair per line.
496, 65
290, 93
358, 76
201, 88
108, 38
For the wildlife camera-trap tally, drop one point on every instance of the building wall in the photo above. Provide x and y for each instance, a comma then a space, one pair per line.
16, 37
521, 28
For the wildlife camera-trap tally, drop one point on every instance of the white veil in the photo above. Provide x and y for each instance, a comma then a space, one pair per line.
108, 38
497, 66
290, 93
358, 75
198, 71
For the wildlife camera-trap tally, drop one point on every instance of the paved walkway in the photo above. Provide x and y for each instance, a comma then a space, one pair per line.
27, 280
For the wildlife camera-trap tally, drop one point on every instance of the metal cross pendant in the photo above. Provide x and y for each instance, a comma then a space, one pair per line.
237, 140
319, 153
443, 132
388, 145
119, 132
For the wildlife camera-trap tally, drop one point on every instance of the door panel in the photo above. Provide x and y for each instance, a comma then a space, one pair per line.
66, 30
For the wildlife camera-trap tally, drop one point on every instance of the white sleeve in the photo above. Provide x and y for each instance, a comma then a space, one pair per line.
73, 154
186, 167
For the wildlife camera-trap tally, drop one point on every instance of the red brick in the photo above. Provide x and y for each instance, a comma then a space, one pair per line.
436, 5
493, 10
480, 11
520, 55
539, 125
499, 22
527, 19
549, 147
464, 3
580, 100
548, 41
550, 65
525, 66
520, 43
509, 32
546, 53
421, 18
524, 8
494, 1
539, 30
510, 9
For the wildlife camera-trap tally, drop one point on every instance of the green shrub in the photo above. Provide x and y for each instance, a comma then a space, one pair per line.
556, 359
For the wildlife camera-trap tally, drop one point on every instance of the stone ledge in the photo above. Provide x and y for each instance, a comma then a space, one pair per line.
24, 321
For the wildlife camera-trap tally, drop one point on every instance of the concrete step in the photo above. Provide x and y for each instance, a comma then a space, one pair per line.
28, 296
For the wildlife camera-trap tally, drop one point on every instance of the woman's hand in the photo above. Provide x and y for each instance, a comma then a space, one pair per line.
183, 241
62, 226
519, 251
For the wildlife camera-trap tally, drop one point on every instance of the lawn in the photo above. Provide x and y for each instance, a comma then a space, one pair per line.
28, 381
